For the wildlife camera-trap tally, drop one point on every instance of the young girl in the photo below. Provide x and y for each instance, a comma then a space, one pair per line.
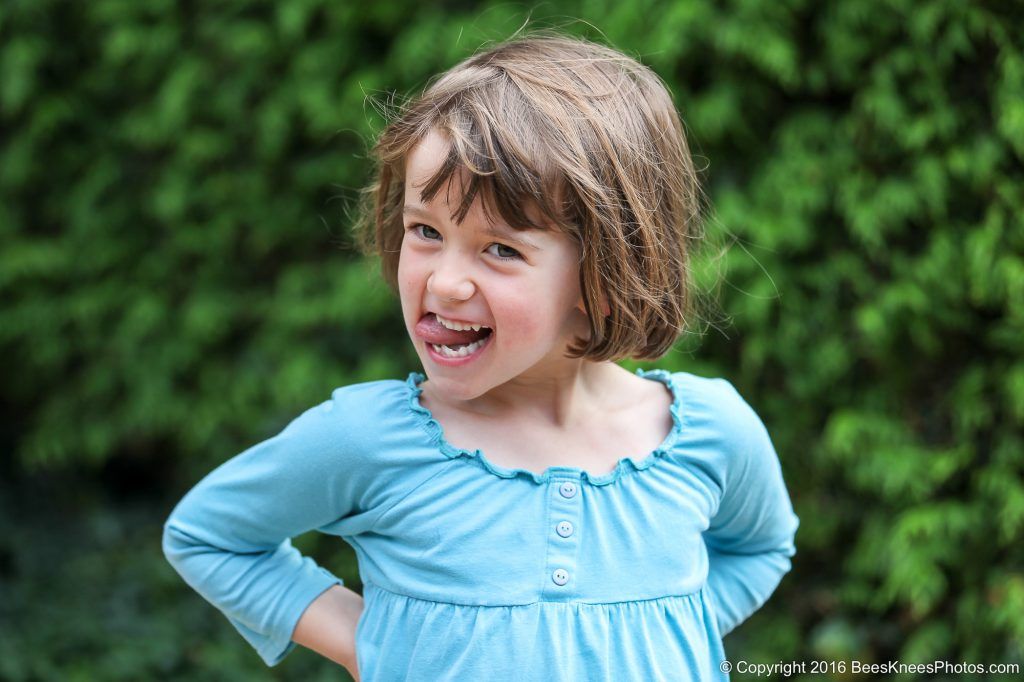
526, 509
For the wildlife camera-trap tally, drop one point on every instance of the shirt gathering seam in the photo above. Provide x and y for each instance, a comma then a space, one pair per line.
688, 595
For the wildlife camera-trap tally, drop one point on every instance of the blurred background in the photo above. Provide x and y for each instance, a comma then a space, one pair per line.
177, 283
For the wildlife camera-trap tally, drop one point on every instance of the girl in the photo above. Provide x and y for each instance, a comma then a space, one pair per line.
526, 509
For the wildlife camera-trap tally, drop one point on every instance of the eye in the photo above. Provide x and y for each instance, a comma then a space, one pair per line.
515, 254
415, 228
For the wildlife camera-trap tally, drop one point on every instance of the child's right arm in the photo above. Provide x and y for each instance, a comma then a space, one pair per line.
328, 627
230, 536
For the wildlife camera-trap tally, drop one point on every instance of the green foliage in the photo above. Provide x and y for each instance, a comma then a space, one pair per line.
175, 285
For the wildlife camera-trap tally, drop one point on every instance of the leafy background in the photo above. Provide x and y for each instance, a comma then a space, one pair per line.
177, 282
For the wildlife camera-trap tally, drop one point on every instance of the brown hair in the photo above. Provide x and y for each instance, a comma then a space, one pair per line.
590, 138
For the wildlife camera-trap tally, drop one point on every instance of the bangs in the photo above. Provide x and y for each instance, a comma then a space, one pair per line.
496, 161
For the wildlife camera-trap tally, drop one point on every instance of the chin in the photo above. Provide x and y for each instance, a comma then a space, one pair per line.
455, 388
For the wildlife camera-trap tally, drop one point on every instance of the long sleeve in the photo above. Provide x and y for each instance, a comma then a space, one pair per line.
229, 537
751, 536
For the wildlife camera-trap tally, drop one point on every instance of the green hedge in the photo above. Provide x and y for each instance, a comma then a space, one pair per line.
177, 282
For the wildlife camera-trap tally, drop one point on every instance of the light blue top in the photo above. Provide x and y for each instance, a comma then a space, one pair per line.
473, 571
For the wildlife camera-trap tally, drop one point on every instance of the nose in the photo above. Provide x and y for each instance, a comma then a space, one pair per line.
448, 281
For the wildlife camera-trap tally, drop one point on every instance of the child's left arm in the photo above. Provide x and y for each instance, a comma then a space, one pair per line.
751, 536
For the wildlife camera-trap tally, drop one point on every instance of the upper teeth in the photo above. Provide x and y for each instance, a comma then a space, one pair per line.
458, 326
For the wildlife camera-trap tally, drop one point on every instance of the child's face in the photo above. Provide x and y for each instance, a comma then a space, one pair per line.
532, 301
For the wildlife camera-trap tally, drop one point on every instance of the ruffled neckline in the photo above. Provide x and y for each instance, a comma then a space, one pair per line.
625, 465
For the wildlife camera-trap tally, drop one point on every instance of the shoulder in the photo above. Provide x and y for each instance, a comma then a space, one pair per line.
720, 428
714, 402
353, 415
370, 397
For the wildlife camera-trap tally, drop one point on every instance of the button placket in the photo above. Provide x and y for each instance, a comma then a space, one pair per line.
563, 540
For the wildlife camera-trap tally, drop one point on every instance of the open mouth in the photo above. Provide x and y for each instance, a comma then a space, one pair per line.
462, 350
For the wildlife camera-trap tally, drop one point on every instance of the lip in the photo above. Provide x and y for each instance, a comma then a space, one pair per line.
457, 362
452, 319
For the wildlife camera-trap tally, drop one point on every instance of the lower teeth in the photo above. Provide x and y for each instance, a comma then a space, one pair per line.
462, 351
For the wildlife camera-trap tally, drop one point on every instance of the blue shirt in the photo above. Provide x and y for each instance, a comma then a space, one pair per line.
474, 571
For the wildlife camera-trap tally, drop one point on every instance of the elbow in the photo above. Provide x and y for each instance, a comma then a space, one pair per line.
782, 556
778, 561
782, 562
184, 552
176, 544
170, 543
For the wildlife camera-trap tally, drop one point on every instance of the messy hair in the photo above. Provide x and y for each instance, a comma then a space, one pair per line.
590, 139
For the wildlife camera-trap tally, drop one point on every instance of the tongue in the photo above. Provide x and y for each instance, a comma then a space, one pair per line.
435, 332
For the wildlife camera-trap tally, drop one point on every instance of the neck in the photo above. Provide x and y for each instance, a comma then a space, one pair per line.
562, 400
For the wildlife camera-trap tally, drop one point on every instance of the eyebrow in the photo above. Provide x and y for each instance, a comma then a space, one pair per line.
489, 230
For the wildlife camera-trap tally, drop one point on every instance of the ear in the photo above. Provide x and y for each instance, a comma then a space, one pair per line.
605, 309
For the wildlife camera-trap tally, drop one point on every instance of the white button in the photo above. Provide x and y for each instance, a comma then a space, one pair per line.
560, 576
568, 489
564, 529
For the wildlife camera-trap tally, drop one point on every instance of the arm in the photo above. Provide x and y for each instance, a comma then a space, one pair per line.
230, 536
328, 627
751, 536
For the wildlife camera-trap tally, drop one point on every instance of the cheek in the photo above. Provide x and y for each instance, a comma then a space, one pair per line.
528, 321
403, 259
409, 292
408, 272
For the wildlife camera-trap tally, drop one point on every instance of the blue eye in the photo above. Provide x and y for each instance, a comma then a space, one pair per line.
516, 255
415, 227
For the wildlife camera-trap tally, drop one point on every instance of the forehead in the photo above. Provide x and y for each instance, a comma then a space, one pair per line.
426, 158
